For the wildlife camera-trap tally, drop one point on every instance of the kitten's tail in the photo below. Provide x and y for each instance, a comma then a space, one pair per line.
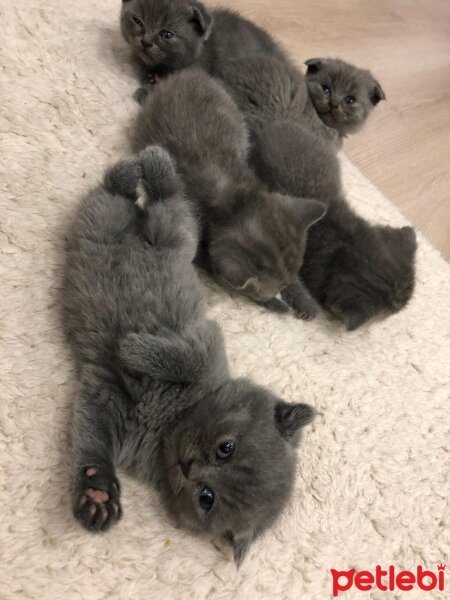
159, 179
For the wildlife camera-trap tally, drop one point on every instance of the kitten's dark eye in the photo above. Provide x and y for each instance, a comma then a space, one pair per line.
225, 449
326, 90
167, 35
350, 99
137, 21
206, 498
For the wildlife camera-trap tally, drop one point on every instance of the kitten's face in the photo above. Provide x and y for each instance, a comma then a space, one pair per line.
376, 279
230, 463
261, 251
342, 94
165, 34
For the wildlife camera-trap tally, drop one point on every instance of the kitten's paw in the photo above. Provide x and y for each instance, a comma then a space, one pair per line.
142, 93
96, 501
307, 313
153, 79
299, 299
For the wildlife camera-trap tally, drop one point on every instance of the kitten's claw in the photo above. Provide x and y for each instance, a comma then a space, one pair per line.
96, 501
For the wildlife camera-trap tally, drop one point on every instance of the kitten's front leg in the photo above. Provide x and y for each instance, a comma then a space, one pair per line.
99, 430
297, 296
146, 88
275, 305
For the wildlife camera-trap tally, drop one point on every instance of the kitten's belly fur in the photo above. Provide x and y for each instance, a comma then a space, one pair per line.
110, 310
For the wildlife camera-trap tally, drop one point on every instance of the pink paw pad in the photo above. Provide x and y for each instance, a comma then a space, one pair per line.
98, 496
91, 472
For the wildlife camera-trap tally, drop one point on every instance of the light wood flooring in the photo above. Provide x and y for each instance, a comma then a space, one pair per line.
405, 147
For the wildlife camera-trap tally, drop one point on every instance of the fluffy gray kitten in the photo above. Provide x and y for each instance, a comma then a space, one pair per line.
155, 394
343, 95
252, 239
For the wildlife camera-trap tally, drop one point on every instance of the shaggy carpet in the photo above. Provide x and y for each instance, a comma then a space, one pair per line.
371, 483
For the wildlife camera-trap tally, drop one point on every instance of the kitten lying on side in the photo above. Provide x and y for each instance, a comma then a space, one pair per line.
343, 95
252, 239
353, 269
156, 397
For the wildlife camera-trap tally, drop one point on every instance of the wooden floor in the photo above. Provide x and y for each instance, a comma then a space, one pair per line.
405, 147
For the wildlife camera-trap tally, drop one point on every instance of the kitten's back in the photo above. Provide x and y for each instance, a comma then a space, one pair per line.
194, 118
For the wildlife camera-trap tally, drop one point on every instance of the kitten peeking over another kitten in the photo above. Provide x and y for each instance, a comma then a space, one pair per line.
155, 394
342, 94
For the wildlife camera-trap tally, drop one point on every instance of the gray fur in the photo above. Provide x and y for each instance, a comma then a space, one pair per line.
155, 395
252, 239
343, 95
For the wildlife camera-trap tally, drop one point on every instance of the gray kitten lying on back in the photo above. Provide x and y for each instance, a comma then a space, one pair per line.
252, 239
156, 397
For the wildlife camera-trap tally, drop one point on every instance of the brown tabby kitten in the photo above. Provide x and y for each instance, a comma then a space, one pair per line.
253, 239
343, 95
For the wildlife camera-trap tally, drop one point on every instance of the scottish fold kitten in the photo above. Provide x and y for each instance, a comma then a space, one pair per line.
164, 36
155, 394
252, 239
168, 35
342, 94
355, 270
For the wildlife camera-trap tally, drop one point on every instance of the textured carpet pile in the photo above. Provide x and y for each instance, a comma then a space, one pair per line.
371, 484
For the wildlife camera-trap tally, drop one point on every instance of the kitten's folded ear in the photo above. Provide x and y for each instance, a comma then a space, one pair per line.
377, 94
290, 418
201, 19
314, 65
240, 543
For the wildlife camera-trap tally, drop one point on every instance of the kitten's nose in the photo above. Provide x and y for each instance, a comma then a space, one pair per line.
146, 43
334, 103
186, 468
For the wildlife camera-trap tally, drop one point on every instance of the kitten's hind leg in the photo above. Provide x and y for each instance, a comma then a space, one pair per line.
123, 177
297, 296
169, 222
98, 433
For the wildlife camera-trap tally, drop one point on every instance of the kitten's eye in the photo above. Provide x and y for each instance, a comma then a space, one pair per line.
350, 99
137, 21
206, 498
167, 35
326, 90
225, 449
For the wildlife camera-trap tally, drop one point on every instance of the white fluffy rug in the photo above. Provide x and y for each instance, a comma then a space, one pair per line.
371, 482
